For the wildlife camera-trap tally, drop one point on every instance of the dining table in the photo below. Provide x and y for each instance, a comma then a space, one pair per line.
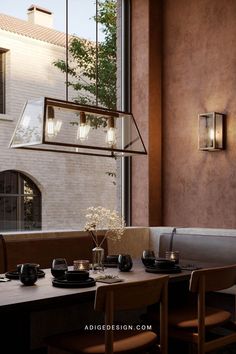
18, 302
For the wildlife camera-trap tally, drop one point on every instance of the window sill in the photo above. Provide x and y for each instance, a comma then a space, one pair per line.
6, 117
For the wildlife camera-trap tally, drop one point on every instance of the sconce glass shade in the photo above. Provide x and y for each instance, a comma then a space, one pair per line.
211, 133
54, 125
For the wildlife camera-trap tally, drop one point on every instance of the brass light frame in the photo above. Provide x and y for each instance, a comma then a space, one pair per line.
47, 144
211, 131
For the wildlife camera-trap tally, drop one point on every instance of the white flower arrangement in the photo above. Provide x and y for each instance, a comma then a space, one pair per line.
99, 218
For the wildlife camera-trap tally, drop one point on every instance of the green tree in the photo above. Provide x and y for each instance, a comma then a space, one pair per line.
82, 61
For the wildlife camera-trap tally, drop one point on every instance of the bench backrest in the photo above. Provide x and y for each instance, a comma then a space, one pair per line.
43, 248
205, 248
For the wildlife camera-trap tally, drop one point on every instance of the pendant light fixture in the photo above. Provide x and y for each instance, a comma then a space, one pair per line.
49, 125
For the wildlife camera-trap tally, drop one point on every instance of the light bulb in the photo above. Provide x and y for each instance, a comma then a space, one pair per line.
50, 128
111, 136
84, 128
53, 125
111, 132
211, 133
211, 136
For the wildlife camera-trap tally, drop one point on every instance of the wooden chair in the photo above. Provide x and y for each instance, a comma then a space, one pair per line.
192, 323
115, 297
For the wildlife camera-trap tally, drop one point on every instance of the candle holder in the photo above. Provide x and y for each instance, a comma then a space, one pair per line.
173, 256
81, 264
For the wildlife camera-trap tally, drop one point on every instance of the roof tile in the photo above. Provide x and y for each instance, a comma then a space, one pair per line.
24, 28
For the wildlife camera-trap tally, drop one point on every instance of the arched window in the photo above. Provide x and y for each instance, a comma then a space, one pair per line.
20, 202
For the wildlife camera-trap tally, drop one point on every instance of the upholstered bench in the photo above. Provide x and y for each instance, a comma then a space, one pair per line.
43, 247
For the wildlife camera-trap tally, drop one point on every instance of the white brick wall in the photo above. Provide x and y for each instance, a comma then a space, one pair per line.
69, 183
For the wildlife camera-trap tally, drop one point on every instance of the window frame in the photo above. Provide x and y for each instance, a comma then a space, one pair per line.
20, 178
3, 80
126, 164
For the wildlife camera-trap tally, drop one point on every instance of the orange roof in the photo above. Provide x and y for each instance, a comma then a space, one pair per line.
24, 28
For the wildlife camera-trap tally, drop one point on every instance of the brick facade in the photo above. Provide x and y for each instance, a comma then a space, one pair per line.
68, 183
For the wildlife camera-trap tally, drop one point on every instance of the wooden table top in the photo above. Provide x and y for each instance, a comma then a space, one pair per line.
15, 295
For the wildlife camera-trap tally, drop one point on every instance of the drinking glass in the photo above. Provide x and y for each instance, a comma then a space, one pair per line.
148, 257
148, 254
125, 262
59, 267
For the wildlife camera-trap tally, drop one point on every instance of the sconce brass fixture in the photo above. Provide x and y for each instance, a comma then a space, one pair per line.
211, 131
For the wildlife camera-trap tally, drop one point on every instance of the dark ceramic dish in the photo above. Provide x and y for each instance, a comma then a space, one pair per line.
64, 283
164, 263
36, 265
112, 258
158, 270
15, 274
76, 275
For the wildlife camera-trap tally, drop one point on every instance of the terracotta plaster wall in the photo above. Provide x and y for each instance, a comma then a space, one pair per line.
199, 75
146, 106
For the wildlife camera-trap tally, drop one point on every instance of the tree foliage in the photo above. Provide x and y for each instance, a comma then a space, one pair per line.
82, 61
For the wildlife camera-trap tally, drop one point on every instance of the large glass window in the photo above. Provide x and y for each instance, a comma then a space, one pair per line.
20, 202
2, 81
35, 37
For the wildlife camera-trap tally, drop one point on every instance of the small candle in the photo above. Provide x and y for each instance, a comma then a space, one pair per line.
81, 264
173, 256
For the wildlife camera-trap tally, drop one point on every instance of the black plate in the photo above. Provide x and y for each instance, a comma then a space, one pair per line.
15, 275
64, 283
175, 269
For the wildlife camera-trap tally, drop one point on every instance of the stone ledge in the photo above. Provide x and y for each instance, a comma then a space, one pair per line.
6, 117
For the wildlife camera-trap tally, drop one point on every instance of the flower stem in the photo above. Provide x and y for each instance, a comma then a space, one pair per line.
102, 240
95, 240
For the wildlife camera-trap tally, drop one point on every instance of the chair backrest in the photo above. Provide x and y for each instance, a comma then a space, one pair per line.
133, 295
130, 295
214, 278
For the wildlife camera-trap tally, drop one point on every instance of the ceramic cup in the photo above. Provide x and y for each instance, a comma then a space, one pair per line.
125, 262
28, 273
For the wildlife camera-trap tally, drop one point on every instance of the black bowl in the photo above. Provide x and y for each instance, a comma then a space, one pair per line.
148, 261
112, 258
77, 275
164, 263
18, 267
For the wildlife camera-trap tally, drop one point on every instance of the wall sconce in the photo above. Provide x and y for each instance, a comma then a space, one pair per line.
211, 132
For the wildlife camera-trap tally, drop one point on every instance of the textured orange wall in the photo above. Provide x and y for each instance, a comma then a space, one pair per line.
199, 76
146, 106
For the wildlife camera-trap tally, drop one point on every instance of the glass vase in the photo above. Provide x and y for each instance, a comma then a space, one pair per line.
98, 256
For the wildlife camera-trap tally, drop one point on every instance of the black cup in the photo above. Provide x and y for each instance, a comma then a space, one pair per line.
28, 273
59, 268
125, 262
148, 258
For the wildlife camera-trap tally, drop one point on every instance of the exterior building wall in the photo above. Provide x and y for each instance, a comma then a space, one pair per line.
68, 183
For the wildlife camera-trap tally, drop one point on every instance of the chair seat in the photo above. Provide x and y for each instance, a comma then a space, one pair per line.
93, 342
187, 317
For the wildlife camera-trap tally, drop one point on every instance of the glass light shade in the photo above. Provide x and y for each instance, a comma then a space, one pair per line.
68, 127
211, 133
111, 137
84, 127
